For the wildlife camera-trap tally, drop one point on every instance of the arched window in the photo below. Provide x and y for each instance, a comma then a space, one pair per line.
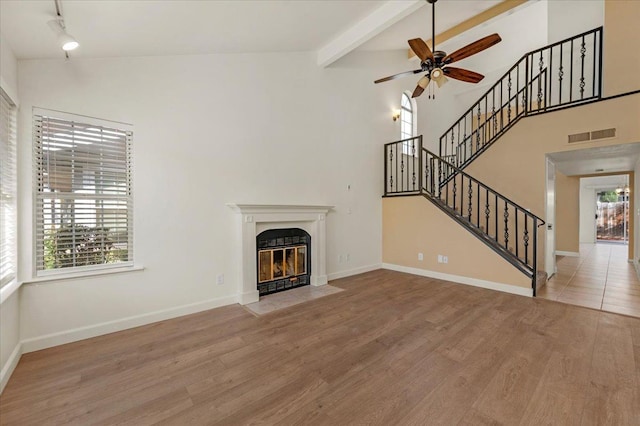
408, 123
406, 117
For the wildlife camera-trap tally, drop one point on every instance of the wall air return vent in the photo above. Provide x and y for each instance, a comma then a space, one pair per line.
603, 134
590, 136
579, 137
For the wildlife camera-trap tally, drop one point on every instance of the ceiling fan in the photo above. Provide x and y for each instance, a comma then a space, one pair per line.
435, 63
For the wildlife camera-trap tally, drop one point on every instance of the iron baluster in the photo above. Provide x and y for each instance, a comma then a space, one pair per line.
391, 167
478, 204
549, 101
541, 66
571, 73
420, 163
496, 214
454, 190
516, 234
453, 150
478, 130
583, 50
470, 208
593, 75
560, 75
534, 255
386, 170
413, 158
525, 239
509, 99
402, 171
506, 226
487, 211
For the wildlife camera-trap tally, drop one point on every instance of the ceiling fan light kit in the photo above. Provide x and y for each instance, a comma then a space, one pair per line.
435, 63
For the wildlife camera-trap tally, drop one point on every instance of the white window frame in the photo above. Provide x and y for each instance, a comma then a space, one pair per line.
8, 192
40, 195
408, 122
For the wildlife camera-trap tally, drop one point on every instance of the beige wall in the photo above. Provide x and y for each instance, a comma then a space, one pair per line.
521, 151
413, 225
567, 213
621, 46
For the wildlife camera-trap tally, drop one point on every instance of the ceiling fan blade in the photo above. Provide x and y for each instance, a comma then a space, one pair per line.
462, 74
472, 49
422, 84
421, 49
393, 77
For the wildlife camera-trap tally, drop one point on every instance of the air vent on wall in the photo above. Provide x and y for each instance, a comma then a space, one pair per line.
579, 137
590, 136
602, 134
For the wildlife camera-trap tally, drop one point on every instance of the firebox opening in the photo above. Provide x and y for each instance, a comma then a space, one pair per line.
283, 259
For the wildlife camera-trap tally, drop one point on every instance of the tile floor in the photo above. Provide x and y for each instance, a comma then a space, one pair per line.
601, 278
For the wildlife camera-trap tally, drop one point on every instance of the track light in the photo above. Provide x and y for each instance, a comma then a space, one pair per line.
66, 41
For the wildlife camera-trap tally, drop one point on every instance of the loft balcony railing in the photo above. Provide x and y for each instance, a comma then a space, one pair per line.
557, 76
506, 227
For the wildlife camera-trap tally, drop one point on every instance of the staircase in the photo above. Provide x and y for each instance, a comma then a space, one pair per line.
561, 75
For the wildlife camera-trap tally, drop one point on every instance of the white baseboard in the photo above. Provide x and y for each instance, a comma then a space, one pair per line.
567, 253
506, 288
356, 271
81, 333
10, 365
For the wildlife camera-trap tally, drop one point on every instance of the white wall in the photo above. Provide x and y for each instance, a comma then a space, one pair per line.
210, 130
9, 307
587, 212
569, 18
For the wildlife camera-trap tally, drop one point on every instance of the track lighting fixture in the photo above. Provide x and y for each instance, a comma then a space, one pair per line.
66, 41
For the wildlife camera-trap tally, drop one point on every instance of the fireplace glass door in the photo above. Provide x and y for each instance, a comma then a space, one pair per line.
280, 263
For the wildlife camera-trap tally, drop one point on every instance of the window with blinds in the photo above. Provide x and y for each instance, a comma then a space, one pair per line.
84, 200
8, 191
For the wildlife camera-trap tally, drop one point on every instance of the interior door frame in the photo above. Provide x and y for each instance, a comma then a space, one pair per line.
550, 209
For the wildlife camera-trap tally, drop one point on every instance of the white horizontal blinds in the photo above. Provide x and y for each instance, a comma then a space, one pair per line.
8, 191
84, 200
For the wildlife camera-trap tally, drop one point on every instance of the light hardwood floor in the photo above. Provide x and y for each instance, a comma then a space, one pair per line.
601, 278
392, 349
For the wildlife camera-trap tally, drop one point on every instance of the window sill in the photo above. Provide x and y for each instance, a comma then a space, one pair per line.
8, 290
84, 274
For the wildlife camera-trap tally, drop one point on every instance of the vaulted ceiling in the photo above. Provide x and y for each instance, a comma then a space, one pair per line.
172, 27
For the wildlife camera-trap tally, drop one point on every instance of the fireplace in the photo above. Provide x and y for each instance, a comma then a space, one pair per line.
254, 219
283, 259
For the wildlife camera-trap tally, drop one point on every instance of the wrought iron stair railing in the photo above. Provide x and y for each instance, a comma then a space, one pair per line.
556, 76
506, 227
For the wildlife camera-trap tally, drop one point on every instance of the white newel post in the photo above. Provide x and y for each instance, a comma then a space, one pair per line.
255, 218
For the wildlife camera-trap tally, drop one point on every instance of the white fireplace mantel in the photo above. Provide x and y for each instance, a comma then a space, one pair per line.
255, 218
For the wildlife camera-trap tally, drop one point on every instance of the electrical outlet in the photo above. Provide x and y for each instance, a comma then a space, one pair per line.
420, 256
445, 259
220, 279
439, 258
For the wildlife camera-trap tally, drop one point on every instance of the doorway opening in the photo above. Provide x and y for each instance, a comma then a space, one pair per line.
612, 215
